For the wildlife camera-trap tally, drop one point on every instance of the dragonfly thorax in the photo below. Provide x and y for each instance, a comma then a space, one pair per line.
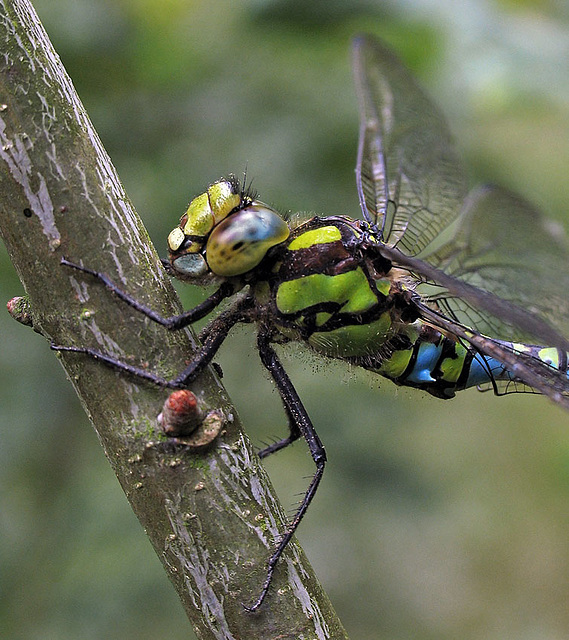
224, 233
326, 288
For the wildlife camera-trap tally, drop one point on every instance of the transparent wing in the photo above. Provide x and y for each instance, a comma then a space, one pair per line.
503, 246
487, 260
410, 181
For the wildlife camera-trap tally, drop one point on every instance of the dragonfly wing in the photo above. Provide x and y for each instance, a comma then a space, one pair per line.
500, 267
456, 299
515, 258
410, 181
486, 266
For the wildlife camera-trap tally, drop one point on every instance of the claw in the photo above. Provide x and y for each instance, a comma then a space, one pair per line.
67, 263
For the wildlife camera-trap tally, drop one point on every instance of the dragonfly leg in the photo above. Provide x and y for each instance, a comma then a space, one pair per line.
118, 365
220, 326
299, 417
281, 444
173, 322
216, 333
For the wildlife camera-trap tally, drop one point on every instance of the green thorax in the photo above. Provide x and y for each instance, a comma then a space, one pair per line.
323, 290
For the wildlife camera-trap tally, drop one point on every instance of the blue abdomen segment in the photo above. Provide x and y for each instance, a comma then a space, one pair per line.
434, 363
426, 358
445, 366
432, 367
483, 369
441, 366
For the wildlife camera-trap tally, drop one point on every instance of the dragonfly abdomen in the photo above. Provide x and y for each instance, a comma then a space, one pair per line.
442, 365
423, 358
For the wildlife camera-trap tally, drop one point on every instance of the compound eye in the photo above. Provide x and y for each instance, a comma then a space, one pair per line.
190, 265
239, 243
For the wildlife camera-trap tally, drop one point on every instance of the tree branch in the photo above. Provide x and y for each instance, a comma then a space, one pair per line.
212, 515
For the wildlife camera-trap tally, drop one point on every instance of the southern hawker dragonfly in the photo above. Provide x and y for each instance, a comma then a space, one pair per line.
434, 286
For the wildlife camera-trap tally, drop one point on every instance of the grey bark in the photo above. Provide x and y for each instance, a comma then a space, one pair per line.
211, 516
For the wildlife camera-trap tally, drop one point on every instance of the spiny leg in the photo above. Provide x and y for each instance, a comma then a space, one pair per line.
117, 365
217, 331
173, 322
284, 442
220, 327
299, 417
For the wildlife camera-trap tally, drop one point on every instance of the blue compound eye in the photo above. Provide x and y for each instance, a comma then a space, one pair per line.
239, 243
190, 265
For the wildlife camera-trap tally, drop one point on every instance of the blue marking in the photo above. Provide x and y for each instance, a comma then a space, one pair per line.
427, 358
480, 367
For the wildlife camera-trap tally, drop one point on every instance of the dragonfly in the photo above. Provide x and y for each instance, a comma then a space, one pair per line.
434, 286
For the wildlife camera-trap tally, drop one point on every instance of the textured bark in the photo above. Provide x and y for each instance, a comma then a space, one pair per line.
211, 515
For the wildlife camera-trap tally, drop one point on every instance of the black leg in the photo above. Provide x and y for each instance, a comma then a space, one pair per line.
118, 365
299, 417
215, 334
173, 322
220, 326
281, 444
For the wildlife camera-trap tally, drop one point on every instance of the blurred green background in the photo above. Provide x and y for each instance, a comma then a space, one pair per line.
435, 519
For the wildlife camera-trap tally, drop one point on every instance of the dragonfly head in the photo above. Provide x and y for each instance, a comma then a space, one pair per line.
223, 233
